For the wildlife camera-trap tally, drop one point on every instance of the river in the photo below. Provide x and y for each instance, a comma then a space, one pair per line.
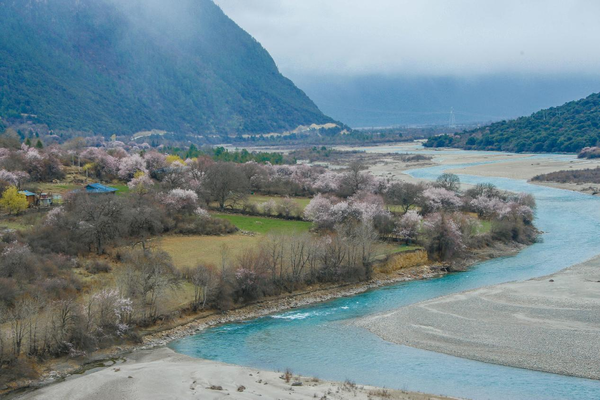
319, 341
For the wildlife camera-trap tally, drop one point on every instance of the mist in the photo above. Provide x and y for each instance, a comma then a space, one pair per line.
425, 37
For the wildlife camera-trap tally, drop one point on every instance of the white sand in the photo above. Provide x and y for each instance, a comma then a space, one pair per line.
506, 165
162, 374
536, 324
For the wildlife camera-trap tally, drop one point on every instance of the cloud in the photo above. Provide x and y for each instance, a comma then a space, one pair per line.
424, 37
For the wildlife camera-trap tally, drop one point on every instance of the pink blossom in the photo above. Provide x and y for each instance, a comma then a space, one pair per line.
438, 198
438, 225
112, 310
4, 152
54, 215
318, 210
128, 166
409, 225
179, 199
140, 183
328, 182
202, 213
104, 161
268, 207
487, 207
9, 177
246, 278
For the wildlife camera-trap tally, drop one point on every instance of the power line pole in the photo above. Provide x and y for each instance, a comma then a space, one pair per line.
452, 121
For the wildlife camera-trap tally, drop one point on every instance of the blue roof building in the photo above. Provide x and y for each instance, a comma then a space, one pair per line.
27, 193
98, 188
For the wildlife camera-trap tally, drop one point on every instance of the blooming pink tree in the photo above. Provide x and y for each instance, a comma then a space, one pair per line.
129, 166
437, 198
487, 207
105, 165
111, 311
202, 213
287, 208
319, 211
328, 182
15, 178
54, 215
444, 236
155, 160
4, 153
140, 184
181, 200
268, 207
325, 213
408, 226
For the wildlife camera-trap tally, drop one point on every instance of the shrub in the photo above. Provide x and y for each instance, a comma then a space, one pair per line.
204, 226
97, 266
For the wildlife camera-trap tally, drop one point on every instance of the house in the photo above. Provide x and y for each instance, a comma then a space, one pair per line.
31, 198
98, 188
45, 200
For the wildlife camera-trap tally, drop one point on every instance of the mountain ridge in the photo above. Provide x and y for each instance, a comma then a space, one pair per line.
567, 128
122, 67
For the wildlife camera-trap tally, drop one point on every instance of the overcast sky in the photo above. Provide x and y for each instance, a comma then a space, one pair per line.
425, 37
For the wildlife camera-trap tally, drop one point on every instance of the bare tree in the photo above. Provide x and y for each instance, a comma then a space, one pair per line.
99, 219
63, 315
20, 317
3, 320
273, 250
225, 181
354, 180
333, 257
299, 256
404, 194
203, 278
146, 277
449, 182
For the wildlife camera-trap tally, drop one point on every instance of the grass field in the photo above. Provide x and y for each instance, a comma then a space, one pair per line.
258, 199
16, 225
123, 188
21, 222
265, 225
187, 251
486, 226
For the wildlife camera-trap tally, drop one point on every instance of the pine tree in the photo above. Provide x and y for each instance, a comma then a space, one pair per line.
39, 144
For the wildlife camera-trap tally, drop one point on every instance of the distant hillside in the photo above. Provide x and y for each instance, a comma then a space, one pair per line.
568, 128
111, 66
394, 100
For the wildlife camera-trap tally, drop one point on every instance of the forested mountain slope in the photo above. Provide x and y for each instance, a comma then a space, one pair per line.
567, 128
110, 66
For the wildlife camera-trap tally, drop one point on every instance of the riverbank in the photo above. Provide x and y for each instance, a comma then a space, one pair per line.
164, 374
56, 371
496, 164
548, 324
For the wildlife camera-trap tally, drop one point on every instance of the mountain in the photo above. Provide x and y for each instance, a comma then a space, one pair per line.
393, 100
114, 66
568, 128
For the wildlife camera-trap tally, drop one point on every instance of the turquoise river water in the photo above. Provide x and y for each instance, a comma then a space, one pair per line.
319, 341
